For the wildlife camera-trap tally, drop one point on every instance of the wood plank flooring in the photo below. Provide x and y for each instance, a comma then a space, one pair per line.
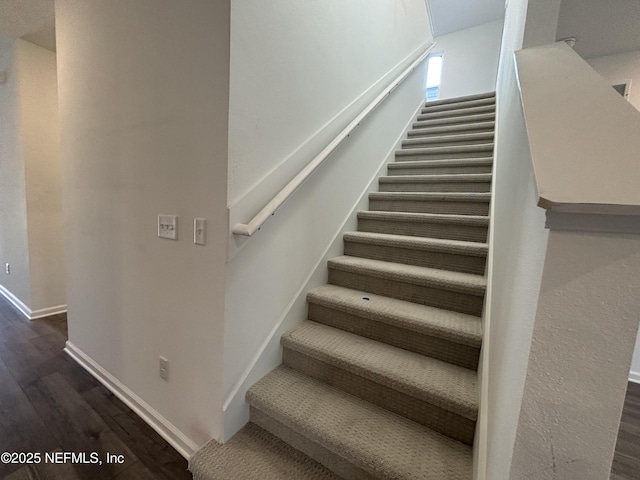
626, 462
50, 404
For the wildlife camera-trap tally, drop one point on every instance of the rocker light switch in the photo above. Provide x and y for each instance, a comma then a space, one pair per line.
168, 226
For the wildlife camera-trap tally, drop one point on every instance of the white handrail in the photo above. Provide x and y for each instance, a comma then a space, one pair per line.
248, 229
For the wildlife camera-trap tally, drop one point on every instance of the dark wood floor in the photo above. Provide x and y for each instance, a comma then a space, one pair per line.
49, 404
626, 463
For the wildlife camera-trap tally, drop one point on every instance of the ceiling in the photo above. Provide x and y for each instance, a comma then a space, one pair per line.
452, 15
600, 27
33, 20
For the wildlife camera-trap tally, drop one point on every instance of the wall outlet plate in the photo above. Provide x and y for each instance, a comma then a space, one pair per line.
168, 226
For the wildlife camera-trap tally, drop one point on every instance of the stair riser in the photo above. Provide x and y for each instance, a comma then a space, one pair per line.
469, 187
426, 114
431, 206
434, 296
421, 258
425, 170
433, 132
407, 155
454, 129
456, 106
420, 411
445, 231
430, 346
417, 141
437, 122
320, 454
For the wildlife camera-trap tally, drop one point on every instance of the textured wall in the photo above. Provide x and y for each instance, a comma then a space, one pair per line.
583, 340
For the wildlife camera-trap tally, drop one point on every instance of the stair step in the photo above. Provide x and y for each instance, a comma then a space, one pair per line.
352, 437
466, 98
435, 394
448, 336
255, 454
441, 167
460, 104
426, 115
460, 292
418, 149
476, 182
454, 255
473, 138
470, 228
467, 119
431, 202
447, 130
416, 152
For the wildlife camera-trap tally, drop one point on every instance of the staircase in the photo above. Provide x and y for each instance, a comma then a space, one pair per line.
380, 382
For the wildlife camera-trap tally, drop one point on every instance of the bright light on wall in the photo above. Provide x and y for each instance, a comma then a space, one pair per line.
434, 75
434, 71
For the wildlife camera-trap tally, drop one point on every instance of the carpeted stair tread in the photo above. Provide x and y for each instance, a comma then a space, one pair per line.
426, 115
425, 182
414, 147
446, 203
447, 386
425, 244
419, 138
466, 98
447, 178
384, 444
255, 454
441, 167
447, 130
479, 197
458, 105
481, 117
444, 279
433, 225
423, 319
470, 220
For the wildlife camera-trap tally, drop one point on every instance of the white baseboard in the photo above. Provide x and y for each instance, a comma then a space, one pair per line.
45, 312
16, 302
165, 429
26, 311
634, 376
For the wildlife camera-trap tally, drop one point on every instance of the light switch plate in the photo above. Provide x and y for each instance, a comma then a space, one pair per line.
168, 226
200, 231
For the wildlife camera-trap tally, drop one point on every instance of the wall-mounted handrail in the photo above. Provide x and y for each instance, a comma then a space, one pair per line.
583, 136
248, 229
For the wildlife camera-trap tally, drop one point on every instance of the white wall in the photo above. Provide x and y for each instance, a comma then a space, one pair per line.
43, 169
143, 109
13, 201
299, 75
470, 60
31, 180
517, 249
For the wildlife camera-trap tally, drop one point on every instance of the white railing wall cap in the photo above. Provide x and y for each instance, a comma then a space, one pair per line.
248, 229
